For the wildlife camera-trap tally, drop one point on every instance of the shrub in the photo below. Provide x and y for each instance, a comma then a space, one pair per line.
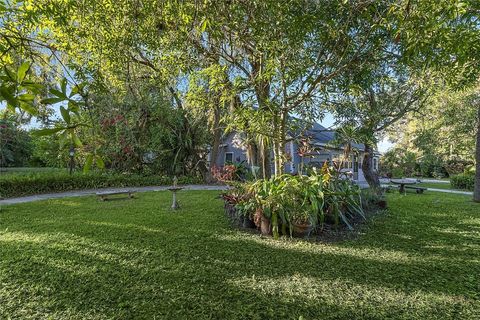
463, 181
372, 200
458, 166
15, 185
230, 172
397, 173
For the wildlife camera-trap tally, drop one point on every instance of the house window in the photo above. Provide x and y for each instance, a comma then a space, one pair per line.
228, 157
375, 164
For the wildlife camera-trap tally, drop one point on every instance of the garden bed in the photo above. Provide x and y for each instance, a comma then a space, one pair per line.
300, 206
328, 233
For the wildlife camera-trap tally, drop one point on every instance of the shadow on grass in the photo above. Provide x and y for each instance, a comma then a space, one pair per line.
139, 260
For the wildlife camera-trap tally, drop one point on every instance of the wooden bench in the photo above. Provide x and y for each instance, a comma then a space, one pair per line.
104, 195
417, 189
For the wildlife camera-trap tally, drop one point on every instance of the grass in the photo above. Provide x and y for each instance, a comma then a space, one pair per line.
444, 186
78, 258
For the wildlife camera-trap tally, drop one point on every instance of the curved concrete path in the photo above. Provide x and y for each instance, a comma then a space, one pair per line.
468, 193
80, 193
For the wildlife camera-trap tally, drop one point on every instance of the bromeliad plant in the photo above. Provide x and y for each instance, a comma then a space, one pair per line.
308, 202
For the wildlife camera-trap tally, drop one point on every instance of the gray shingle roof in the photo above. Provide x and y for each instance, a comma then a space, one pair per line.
322, 135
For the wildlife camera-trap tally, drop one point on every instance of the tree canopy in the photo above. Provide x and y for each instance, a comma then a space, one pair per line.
239, 65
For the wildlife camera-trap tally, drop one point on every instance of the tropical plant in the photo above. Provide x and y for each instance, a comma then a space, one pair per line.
16, 89
287, 201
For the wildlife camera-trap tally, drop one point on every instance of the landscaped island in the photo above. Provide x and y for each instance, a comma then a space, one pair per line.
300, 205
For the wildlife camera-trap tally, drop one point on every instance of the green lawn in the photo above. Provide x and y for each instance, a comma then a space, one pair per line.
135, 259
446, 186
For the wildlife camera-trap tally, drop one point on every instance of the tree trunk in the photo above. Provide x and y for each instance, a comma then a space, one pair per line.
217, 135
252, 156
264, 155
367, 168
476, 191
278, 147
262, 93
283, 140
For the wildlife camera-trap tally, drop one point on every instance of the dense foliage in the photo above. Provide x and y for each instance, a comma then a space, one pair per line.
238, 65
464, 181
285, 202
15, 144
144, 132
401, 162
440, 142
23, 184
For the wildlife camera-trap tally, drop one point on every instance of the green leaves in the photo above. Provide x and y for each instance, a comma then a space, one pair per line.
28, 107
10, 75
66, 133
100, 163
7, 95
88, 163
63, 86
22, 71
17, 91
52, 100
58, 96
26, 97
204, 25
76, 139
46, 131
302, 200
65, 115
93, 159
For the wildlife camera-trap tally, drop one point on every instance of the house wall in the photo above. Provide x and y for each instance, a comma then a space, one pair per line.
318, 160
231, 143
292, 150
234, 143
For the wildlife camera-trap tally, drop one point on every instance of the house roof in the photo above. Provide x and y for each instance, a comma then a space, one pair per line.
324, 136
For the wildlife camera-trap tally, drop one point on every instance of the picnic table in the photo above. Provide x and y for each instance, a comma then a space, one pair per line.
403, 183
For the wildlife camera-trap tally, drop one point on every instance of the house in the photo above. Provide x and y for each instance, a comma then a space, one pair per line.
321, 148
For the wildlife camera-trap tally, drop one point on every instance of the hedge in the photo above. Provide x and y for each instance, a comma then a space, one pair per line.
463, 181
23, 185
